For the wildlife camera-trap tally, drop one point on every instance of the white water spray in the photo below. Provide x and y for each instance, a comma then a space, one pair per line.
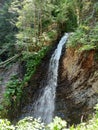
45, 105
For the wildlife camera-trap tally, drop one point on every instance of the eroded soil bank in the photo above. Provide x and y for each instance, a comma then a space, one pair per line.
77, 91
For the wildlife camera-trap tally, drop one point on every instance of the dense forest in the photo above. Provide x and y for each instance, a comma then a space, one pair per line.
29, 31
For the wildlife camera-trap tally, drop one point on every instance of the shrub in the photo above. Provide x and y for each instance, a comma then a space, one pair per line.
57, 124
6, 125
30, 123
14, 88
84, 37
79, 37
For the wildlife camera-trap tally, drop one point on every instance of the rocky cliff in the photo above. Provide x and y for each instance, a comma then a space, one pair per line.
77, 90
5, 76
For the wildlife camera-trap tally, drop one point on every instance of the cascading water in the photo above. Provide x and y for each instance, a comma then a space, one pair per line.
45, 105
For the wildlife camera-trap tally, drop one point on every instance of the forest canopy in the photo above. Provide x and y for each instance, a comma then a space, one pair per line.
29, 24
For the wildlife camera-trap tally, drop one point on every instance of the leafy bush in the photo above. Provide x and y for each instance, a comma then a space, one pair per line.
7, 31
66, 16
57, 124
84, 37
12, 96
32, 61
79, 37
30, 123
87, 47
93, 36
14, 88
6, 125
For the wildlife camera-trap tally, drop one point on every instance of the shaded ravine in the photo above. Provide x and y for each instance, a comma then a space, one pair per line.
44, 105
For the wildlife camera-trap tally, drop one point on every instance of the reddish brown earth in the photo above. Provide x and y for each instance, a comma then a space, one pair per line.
77, 91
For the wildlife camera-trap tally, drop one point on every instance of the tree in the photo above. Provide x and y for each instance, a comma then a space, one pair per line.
7, 31
33, 18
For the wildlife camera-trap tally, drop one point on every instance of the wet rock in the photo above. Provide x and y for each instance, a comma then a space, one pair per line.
77, 85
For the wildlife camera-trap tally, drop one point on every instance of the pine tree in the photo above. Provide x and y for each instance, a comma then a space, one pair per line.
8, 30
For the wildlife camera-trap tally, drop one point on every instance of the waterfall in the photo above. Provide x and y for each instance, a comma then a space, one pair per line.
45, 105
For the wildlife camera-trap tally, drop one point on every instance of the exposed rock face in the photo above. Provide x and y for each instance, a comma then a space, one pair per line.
5, 75
77, 91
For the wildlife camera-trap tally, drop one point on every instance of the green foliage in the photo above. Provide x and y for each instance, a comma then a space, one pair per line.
96, 10
6, 125
84, 37
32, 22
24, 22
79, 37
13, 91
32, 61
57, 124
92, 124
87, 47
93, 35
14, 88
52, 34
66, 16
35, 124
7, 31
5, 26
12, 96
30, 124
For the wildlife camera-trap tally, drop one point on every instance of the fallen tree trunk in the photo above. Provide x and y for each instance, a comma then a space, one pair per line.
3, 64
